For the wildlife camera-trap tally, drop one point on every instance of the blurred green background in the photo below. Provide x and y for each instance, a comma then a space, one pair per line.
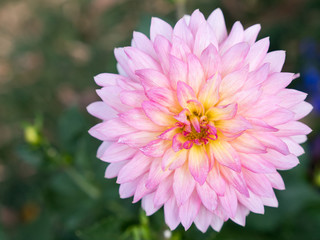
52, 185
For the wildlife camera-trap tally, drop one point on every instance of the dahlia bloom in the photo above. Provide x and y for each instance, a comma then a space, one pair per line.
199, 121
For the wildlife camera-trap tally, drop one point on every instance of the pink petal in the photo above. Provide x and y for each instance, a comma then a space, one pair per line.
276, 82
184, 93
183, 184
195, 73
271, 141
253, 203
164, 191
102, 148
236, 36
210, 61
229, 201
156, 148
101, 110
196, 20
137, 166
216, 223
281, 162
233, 59
216, 181
251, 33
233, 82
203, 38
141, 60
156, 174
235, 179
276, 60
234, 126
141, 189
162, 47
198, 163
156, 114
276, 180
117, 152
110, 96
255, 163
258, 183
216, 20
255, 78
151, 78
301, 110
257, 53
222, 113
138, 139
143, 43
225, 154
123, 64
173, 160
290, 97
179, 48
207, 196
247, 143
209, 93
137, 118
182, 31
148, 205
114, 168
128, 189
294, 147
178, 71
171, 213
279, 116
160, 27
107, 79
189, 210
240, 216
292, 128
165, 97
132, 98
203, 219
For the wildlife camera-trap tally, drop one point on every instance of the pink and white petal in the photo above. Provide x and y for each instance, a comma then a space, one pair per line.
299, 138
107, 79
235, 179
182, 31
251, 33
216, 181
110, 130
164, 191
128, 189
233, 58
178, 71
160, 27
273, 142
216, 20
138, 139
257, 77
151, 78
203, 38
141, 60
102, 148
253, 202
255, 163
233, 82
258, 183
279, 161
143, 43
183, 184
247, 143
209, 93
162, 46
207, 196
195, 73
241, 214
225, 154
276, 60
257, 53
171, 213
259, 125
277, 81
148, 205
276, 180
232, 127
156, 174
133, 98
292, 128
137, 119
210, 61
185, 93
216, 223
196, 20
279, 116
189, 210
301, 110
270, 202
172, 158
293, 146
141, 189
123, 64
229, 201
101, 110
155, 113
198, 163
180, 49
222, 112
203, 219
114, 168
236, 36
290, 97
110, 96
137, 166
165, 97
156, 148
117, 152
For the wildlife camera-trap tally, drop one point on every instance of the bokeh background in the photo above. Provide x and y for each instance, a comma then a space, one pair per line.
52, 185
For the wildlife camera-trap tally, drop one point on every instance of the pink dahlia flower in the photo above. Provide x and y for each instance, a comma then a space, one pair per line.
199, 121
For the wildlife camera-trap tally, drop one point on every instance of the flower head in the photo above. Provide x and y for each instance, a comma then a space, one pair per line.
199, 121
